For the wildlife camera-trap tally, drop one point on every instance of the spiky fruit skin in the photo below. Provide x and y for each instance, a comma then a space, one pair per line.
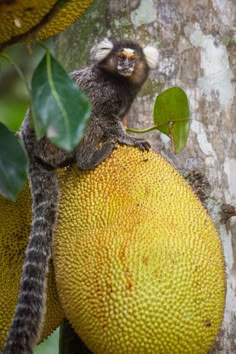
21, 16
139, 264
15, 224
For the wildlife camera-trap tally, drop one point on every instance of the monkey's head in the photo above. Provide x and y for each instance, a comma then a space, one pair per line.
125, 59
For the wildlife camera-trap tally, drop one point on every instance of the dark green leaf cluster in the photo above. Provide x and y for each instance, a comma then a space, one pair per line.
60, 110
13, 163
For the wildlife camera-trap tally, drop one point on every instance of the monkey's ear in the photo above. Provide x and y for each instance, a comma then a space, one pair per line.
151, 55
102, 50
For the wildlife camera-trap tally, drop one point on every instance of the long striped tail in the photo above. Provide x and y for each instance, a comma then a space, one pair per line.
28, 317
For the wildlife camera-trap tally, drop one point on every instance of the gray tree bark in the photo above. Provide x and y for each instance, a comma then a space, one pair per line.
197, 46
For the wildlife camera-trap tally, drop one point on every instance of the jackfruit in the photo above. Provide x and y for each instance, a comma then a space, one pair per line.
21, 16
139, 264
15, 225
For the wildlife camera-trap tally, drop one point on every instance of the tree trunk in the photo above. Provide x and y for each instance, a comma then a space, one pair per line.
197, 45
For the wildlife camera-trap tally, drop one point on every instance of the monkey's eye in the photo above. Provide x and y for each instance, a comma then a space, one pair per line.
121, 56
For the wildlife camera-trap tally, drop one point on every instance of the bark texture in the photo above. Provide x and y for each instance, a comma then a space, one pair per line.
197, 46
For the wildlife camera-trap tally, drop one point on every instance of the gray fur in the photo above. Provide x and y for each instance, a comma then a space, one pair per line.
111, 96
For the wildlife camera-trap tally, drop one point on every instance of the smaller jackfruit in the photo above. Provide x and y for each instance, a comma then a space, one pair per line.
15, 225
20, 16
139, 265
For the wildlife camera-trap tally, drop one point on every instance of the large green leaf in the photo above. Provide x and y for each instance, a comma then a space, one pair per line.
60, 109
171, 116
13, 164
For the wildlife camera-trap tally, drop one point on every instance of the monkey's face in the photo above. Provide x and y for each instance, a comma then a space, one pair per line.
125, 61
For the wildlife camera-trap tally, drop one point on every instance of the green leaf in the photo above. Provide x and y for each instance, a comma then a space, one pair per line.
171, 116
12, 112
13, 164
60, 109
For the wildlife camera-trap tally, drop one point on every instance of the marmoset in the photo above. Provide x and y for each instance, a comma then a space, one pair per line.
112, 82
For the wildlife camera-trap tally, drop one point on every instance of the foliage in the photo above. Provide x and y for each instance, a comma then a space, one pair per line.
60, 111
171, 117
13, 164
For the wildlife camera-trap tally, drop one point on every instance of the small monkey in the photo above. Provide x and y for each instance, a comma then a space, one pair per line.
112, 82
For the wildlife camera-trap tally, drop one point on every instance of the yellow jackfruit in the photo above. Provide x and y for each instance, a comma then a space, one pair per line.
139, 265
15, 225
20, 16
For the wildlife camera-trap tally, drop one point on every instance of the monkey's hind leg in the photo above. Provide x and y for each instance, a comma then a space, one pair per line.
88, 160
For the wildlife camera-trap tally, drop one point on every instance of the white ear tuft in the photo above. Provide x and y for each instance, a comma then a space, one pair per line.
151, 55
102, 50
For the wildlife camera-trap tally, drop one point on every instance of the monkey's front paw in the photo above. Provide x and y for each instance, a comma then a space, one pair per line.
142, 144
131, 141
